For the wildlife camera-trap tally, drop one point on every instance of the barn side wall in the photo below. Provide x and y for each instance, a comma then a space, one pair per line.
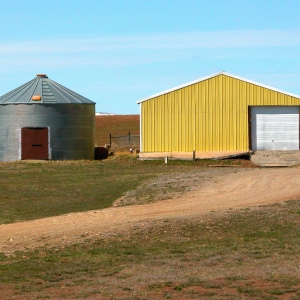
211, 115
72, 129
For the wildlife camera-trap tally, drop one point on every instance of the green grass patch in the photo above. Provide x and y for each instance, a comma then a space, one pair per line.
249, 254
37, 190
33, 190
172, 258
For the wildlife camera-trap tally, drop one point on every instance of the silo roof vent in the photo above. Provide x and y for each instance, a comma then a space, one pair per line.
42, 75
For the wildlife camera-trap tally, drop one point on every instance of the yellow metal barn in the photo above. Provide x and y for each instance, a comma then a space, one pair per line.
219, 113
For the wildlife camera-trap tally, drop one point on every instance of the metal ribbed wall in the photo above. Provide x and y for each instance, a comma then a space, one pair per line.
211, 115
72, 129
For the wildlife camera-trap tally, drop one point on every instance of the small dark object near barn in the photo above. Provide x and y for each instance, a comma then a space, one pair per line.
100, 153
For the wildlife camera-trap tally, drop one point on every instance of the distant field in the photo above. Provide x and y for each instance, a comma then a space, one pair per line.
116, 125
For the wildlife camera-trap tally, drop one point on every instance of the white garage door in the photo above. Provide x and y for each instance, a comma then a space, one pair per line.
275, 128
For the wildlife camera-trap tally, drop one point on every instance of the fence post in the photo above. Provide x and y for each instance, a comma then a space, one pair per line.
129, 137
110, 140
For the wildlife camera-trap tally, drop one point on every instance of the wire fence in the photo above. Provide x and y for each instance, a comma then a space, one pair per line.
124, 141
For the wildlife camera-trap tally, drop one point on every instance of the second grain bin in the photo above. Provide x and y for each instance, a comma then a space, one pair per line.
44, 120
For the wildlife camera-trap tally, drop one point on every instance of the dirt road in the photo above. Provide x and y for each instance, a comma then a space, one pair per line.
237, 189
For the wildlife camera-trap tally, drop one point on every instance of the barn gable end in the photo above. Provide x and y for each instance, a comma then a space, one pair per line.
211, 114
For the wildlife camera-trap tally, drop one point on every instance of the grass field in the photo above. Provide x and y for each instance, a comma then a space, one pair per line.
32, 190
246, 254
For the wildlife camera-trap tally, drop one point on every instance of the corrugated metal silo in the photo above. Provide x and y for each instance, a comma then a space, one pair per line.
45, 120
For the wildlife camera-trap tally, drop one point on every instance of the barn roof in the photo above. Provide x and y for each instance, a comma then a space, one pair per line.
43, 90
215, 75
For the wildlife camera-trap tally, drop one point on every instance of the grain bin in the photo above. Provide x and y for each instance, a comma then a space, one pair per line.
44, 120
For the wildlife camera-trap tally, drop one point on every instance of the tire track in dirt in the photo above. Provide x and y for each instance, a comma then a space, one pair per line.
239, 189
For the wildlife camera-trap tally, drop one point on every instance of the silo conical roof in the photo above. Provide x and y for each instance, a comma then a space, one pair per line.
42, 89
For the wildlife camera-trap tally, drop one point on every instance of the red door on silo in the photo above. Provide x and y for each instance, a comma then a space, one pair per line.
34, 143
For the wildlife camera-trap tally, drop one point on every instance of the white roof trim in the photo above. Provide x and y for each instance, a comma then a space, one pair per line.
214, 75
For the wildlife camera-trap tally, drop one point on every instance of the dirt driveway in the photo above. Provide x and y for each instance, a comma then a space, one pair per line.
225, 190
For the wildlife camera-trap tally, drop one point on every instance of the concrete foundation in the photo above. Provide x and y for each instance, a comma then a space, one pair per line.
276, 158
192, 155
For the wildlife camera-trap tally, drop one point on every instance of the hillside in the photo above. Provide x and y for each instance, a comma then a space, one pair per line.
117, 125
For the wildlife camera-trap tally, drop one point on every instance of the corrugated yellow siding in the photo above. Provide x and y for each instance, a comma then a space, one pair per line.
211, 115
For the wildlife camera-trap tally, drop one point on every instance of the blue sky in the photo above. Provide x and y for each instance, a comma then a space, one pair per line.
116, 52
